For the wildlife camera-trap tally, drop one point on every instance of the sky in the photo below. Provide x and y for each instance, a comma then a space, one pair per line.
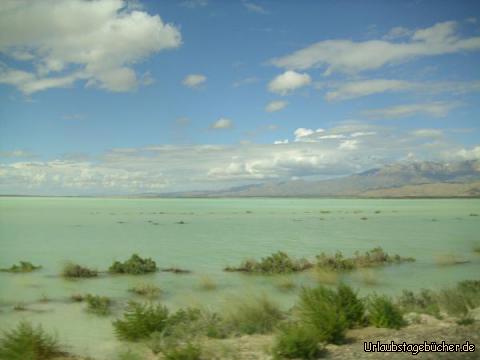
129, 97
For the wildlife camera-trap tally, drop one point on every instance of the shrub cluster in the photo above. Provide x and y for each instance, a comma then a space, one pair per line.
140, 321
134, 266
22, 267
71, 270
295, 341
277, 263
257, 316
375, 257
382, 312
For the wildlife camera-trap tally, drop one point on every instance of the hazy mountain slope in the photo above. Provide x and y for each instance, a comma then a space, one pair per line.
400, 175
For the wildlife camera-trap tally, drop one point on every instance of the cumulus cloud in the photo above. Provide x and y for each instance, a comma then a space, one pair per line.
222, 123
433, 109
353, 89
276, 105
194, 80
352, 57
469, 154
66, 41
288, 82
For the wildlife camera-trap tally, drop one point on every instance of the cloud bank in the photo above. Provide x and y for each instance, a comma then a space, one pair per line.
98, 42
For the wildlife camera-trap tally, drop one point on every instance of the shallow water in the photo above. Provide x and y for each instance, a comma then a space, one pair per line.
216, 233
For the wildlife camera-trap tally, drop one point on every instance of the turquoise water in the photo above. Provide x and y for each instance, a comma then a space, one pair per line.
216, 233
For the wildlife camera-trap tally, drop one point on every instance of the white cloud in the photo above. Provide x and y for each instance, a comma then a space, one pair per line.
433, 109
469, 154
353, 89
194, 80
351, 57
288, 82
276, 105
432, 133
279, 142
348, 144
254, 8
70, 40
222, 123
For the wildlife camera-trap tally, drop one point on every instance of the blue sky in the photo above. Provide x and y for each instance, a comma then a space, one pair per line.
127, 97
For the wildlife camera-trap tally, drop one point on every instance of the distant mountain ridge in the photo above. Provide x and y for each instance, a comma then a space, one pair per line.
403, 179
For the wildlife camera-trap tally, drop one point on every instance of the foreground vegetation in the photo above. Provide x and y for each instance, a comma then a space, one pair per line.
322, 315
27, 342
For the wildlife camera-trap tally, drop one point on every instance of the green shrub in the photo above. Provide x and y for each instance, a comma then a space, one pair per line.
148, 290
28, 343
257, 316
295, 341
425, 302
375, 257
351, 305
71, 270
99, 305
334, 263
188, 351
458, 301
140, 321
277, 263
134, 266
383, 313
321, 309
22, 267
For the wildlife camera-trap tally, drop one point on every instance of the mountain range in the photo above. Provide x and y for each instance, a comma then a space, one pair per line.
402, 179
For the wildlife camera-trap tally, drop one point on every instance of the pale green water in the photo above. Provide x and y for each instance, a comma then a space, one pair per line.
218, 232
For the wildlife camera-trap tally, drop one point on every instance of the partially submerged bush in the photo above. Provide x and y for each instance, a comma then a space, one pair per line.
134, 266
176, 270
140, 321
22, 267
320, 309
277, 263
285, 284
99, 305
375, 257
148, 290
383, 313
257, 316
71, 270
207, 283
296, 341
26, 342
